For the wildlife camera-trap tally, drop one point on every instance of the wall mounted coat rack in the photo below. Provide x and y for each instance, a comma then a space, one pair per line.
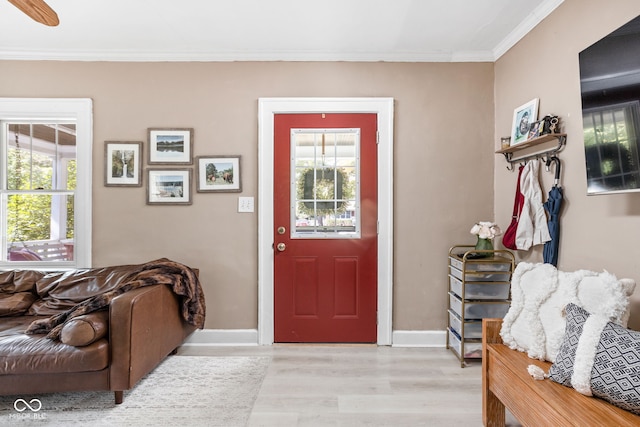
549, 144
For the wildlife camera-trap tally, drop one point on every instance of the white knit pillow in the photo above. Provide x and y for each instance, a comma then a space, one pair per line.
539, 292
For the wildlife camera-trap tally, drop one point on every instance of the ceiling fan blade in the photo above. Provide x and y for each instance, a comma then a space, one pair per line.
37, 10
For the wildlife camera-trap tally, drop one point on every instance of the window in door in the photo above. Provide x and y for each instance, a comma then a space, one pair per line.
325, 191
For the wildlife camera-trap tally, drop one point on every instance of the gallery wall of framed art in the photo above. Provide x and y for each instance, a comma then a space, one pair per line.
170, 170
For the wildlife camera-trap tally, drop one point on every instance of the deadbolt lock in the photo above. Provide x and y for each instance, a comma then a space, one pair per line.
281, 230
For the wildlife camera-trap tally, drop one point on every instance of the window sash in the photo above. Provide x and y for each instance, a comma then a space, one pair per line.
322, 162
78, 110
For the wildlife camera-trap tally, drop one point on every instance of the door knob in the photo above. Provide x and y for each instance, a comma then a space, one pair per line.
281, 247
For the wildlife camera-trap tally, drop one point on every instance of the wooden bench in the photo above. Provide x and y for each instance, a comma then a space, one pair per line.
506, 383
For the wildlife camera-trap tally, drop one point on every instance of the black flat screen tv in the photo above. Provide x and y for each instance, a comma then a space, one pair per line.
610, 88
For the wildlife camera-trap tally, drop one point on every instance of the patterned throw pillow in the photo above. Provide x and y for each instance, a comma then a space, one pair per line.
599, 358
562, 370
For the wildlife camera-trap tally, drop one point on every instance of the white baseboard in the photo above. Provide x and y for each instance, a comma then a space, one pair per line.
215, 337
419, 339
248, 337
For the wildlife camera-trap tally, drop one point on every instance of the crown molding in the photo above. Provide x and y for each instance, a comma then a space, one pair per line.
146, 56
528, 24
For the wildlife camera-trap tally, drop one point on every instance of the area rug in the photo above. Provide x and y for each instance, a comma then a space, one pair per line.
183, 390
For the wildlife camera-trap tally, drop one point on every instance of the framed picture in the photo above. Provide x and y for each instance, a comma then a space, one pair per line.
122, 163
169, 187
170, 146
536, 129
219, 173
523, 116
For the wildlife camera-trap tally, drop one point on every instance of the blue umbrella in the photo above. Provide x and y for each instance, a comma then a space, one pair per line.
552, 206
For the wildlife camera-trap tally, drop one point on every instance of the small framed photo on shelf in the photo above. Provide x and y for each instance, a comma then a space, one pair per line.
170, 146
169, 186
536, 129
523, 116
123, 164
219, 174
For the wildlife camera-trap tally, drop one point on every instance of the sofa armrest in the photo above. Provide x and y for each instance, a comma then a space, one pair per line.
145, 325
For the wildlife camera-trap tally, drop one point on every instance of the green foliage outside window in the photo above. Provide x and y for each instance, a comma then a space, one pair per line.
71, 185
328, 184
29, 215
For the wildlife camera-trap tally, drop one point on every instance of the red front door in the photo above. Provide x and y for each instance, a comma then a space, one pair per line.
325, 213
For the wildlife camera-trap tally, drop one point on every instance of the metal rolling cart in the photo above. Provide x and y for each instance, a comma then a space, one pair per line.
479, 287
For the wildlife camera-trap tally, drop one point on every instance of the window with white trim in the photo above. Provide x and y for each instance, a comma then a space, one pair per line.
45, 183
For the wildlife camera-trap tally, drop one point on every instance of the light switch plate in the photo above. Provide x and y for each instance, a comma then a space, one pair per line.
245, 204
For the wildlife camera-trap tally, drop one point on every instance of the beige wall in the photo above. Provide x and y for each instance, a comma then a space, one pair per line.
598, 232
443, 169
444, 122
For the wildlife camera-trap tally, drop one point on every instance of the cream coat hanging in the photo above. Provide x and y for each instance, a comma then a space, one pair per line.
532, 226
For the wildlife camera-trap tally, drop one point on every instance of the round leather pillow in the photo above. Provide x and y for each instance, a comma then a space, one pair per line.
85, 329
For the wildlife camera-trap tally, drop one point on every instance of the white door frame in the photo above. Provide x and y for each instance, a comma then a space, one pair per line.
267, 108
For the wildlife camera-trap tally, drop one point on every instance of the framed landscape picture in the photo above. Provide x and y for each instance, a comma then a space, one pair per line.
169, 186
219, 173
523, 117
123, 163
170, 146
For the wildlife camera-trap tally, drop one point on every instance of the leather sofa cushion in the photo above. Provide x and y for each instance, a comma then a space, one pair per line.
25, 354
17, 291
86, 329
16, 304
19, 281
61, 291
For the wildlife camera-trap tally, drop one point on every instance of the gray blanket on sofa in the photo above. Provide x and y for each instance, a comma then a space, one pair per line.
182, 280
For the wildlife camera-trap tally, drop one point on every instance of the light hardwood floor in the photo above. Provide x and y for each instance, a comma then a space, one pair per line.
361, 385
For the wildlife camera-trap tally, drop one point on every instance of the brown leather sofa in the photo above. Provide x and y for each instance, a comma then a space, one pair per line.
126, 340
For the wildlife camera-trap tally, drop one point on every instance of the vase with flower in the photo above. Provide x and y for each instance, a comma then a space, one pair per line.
485, 232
